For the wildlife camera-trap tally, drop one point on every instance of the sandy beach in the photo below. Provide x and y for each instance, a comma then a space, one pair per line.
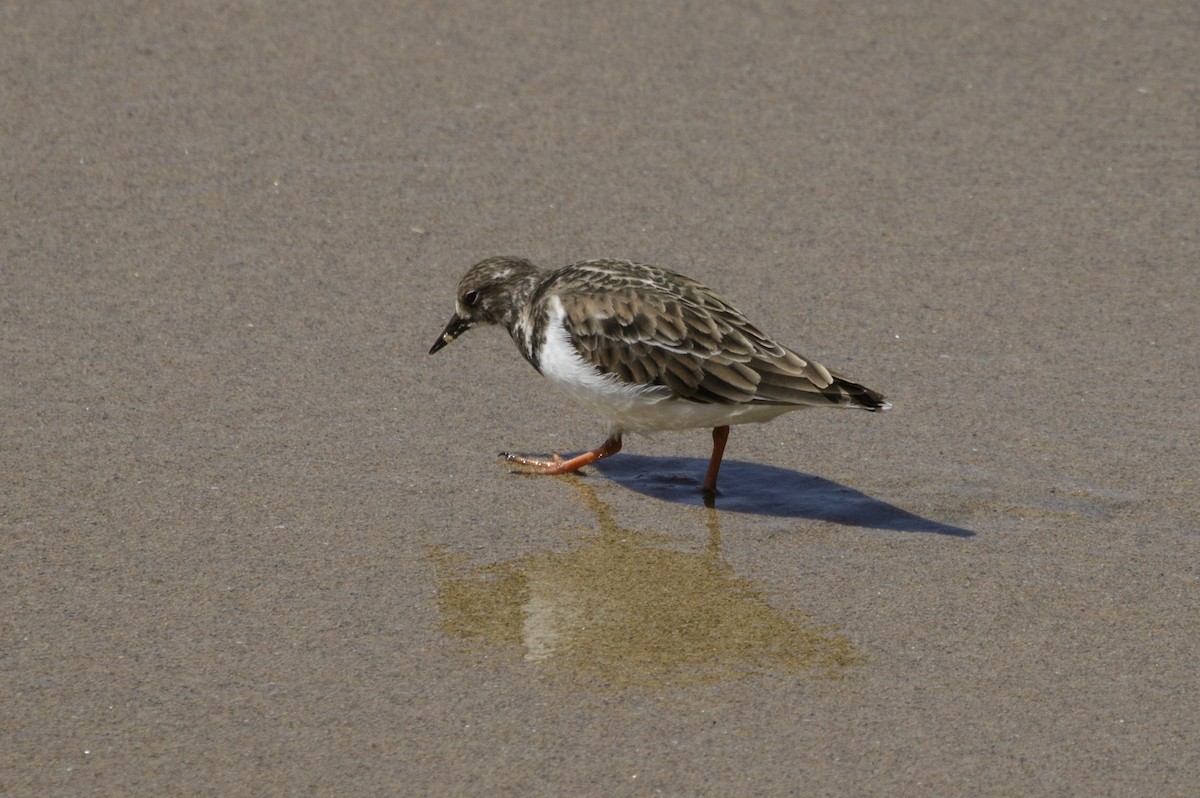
258, 542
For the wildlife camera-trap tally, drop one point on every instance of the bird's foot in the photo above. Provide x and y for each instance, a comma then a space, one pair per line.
557, 465
528, 464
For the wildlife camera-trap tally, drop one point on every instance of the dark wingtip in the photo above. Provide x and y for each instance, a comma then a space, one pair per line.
864, 397
873, 401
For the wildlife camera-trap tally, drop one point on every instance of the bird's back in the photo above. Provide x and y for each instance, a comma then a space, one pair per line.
650, 326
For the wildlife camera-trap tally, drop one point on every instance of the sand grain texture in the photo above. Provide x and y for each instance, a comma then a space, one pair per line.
241, 508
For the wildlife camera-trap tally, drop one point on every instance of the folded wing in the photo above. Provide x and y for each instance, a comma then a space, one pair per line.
653, 327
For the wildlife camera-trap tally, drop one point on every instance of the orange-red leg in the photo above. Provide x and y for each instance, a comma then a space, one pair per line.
557, 465
720, 436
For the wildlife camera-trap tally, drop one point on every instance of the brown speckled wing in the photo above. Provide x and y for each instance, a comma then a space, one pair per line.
650, 326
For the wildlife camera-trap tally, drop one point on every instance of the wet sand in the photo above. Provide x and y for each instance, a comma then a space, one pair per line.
256, 541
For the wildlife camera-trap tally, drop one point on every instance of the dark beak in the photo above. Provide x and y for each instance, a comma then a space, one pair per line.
457, 326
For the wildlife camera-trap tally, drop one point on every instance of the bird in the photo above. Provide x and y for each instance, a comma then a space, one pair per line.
646, 349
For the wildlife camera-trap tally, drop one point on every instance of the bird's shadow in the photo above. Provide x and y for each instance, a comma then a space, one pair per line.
765, 490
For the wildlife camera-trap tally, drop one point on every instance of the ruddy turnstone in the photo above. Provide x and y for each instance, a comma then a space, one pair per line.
647, 349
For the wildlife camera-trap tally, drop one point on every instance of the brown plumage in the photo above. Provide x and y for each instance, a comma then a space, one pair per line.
645, 347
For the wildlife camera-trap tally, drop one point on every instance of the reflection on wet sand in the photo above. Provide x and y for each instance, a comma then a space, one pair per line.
622, 608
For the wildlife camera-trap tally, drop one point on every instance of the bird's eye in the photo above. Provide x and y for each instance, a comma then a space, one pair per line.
470, 298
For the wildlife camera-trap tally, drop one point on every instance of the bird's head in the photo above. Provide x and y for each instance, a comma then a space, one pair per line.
492, 292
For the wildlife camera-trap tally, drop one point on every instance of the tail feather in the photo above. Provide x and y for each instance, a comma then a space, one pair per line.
855, 395
804, 389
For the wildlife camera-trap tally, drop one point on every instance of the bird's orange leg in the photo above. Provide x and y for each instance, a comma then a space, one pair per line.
720, 436
557, 465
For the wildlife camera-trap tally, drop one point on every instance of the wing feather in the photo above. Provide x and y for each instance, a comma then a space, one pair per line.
649, 326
